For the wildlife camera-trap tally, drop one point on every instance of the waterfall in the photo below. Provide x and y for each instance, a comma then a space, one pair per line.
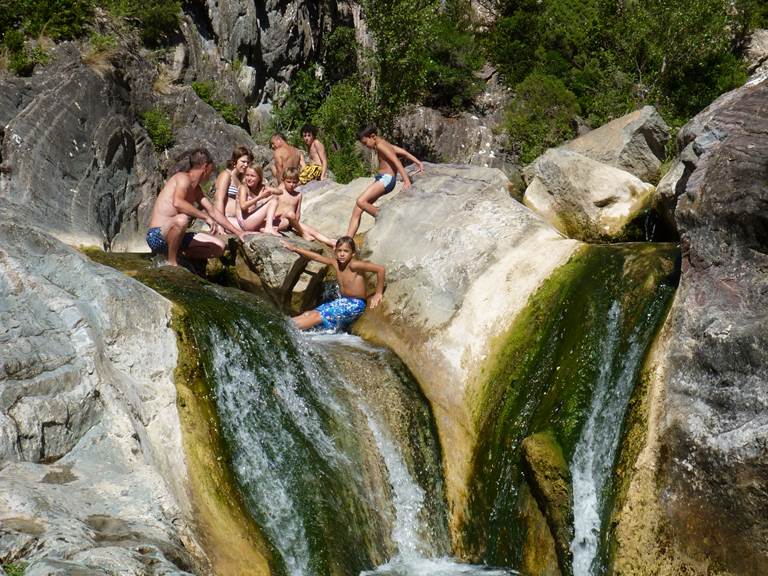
595, 451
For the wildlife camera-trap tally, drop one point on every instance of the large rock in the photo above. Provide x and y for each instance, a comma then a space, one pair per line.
635, 143
697, 493
583, 198
92, 473
71, 146
704, 131
462, 139
293, 282
457, 251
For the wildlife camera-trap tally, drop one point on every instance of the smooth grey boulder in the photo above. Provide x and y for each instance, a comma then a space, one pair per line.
635, 143
93, 477
290, 280
698, 493
757, 52
583, 198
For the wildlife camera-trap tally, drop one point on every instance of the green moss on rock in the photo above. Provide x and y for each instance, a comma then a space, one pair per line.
540, 376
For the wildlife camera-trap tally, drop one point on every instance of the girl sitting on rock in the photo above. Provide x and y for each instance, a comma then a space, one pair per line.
256, 201
340, 313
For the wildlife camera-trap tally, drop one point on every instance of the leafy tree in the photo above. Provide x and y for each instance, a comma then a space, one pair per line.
541, 114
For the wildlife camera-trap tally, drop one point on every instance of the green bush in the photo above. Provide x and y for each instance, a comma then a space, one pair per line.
305, 96
206, 91
57, 19
158, 126
346, 108
453, 56
15, 568
541, 114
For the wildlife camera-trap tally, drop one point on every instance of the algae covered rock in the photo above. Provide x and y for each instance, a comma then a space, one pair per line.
635, 143
583, 198
549, 479
696, 497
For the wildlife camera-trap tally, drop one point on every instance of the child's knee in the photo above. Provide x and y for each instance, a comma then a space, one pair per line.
181, 221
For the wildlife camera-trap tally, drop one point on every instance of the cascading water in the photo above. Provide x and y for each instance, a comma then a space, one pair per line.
329, 439
595, 451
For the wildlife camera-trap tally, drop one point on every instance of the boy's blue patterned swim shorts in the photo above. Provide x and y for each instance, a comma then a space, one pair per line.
341, 312
157, 243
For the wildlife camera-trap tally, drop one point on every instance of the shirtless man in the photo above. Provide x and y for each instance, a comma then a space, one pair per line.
175, 207
317, 169
285, 156
384, 182
288, 211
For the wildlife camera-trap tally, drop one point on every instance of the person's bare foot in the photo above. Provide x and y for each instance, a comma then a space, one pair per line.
273, 232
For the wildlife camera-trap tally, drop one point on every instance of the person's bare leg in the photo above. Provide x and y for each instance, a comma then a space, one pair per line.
173, 236
307, 320
256, 220
364, 203
204, 246
296, 225
312, 233
269, 225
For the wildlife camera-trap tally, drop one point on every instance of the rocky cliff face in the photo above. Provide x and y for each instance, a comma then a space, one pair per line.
697, 496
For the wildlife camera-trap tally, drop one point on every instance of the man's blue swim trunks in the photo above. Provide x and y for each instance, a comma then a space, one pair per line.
388, 180
158, 244
341, 312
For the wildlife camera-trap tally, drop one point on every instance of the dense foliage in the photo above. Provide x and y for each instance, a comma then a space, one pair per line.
614, 56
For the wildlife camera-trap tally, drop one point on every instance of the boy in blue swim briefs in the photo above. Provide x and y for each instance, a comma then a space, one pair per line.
384, 182
341, 312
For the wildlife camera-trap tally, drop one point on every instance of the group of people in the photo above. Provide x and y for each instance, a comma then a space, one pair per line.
244, 203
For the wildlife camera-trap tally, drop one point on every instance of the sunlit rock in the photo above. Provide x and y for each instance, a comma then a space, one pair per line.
634, 143
461, 257
89, 420
583, 198
695, 496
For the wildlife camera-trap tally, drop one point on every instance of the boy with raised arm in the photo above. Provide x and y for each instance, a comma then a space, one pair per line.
175, 207
341, 312
384, 182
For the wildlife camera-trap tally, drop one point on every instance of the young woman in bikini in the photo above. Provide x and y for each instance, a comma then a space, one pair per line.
228, 183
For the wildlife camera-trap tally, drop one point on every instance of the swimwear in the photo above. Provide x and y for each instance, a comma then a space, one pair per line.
232, 191
310, 172
341, 312
388, 180
157, 243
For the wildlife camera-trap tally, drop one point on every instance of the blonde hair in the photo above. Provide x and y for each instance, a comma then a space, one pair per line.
292, 173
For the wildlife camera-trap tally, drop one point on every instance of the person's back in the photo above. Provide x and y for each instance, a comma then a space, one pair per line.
285, 156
